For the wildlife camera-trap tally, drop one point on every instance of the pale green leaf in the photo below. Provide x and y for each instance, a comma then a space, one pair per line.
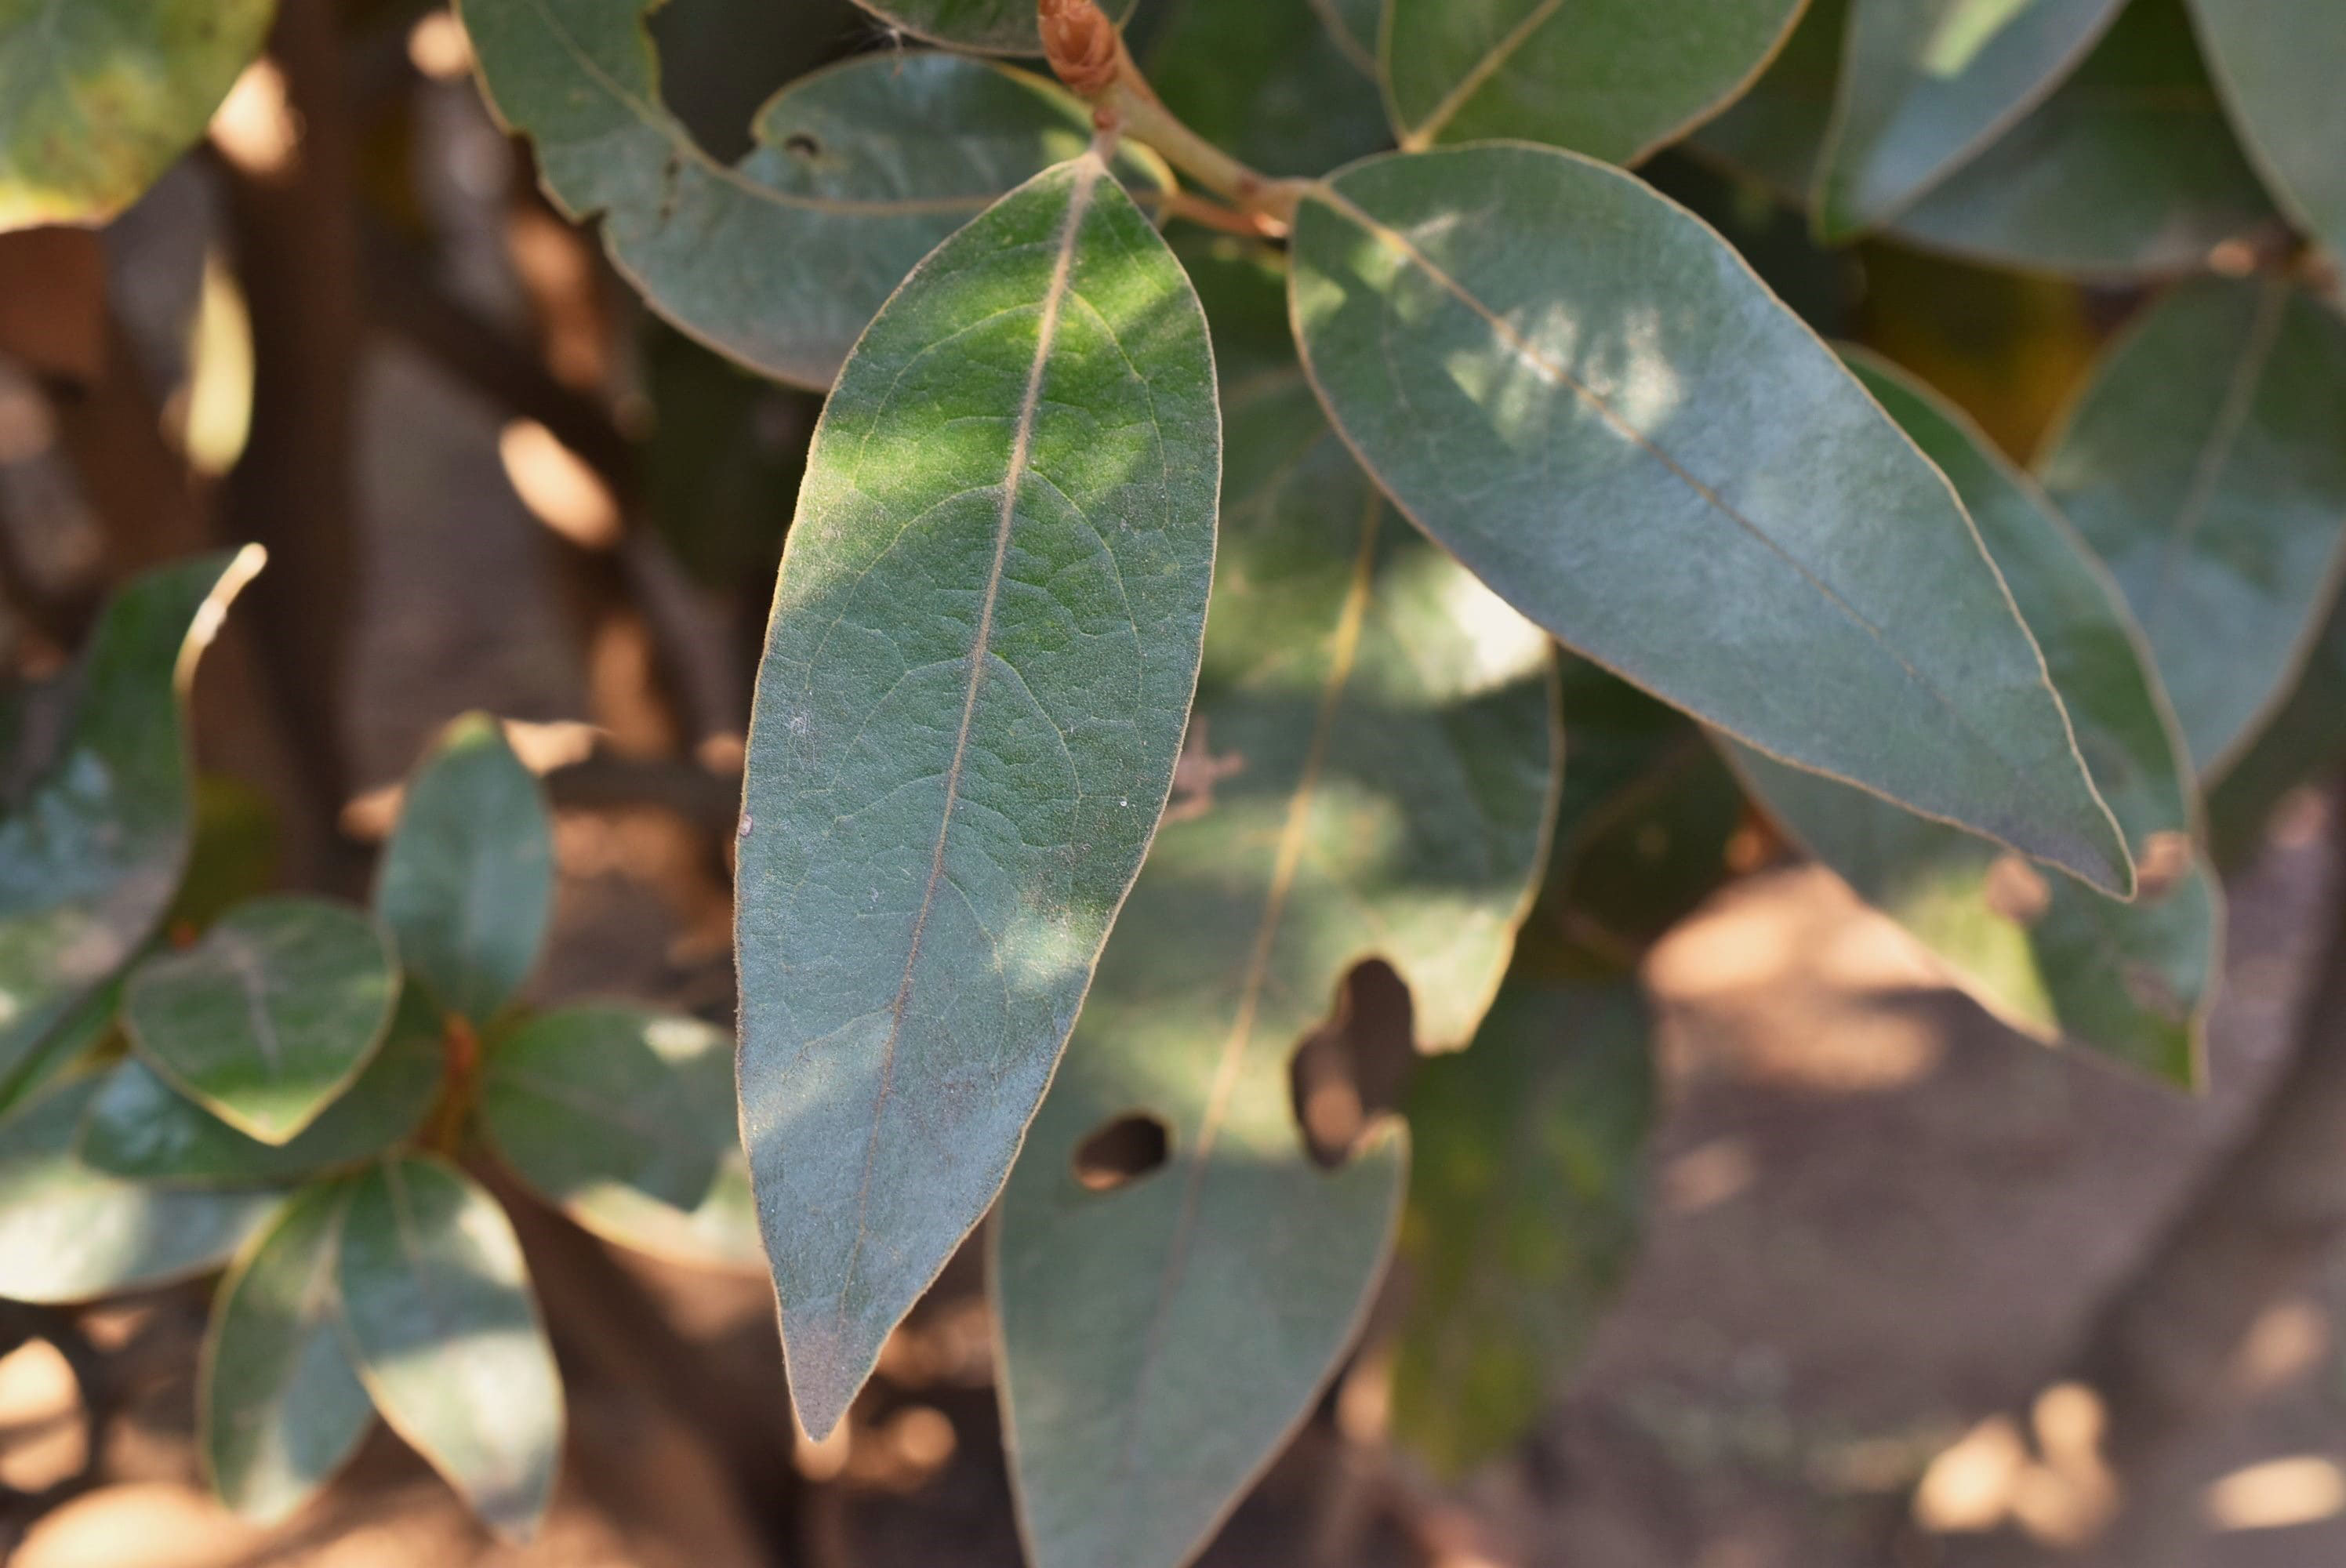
270, 1017
1586, 395
1283, 85
997, 26
2207, 463
601, 1096
1911, 110
2278, 66
139, 1127
1525, 1200
97, 97
984, 638
466, 884
781, 260
1367, 776
280, 1407
1612, 78
92, 849
70, 1233
444, 1330
2133, 979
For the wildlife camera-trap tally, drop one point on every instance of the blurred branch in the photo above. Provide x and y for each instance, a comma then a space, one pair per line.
604, 780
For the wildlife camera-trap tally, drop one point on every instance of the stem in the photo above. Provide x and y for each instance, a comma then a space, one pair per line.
1087, 53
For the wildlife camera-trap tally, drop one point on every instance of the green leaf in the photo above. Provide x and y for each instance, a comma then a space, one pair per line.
720, 468
2278, 67
2207, 463
1612, 78
778, 260
91, 851
985, 639
2133, 979
1585, 394
598, 1095
444, 1330
1914, 105
625, 1119
279, 1407
233, 856
1283, 85
2128, 168
466, 884
270, 1017
1367, 776
70, 1233
139, 1127
1525, 1204
997, 26
97, 97
76, 1038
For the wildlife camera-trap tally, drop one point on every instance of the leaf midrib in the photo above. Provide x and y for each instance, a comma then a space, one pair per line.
1454, 102
1088, 172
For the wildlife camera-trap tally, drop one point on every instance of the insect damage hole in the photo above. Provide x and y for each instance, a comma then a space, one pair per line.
799, 144
1353, 1071
1123, 1151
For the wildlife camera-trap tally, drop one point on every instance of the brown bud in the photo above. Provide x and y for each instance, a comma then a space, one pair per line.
1081, 43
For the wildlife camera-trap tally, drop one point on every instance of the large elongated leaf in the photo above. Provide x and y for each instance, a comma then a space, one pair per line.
91, 852
2278, 66
1589, 398
1920, 93
1614, 79
2207, 463
139, 1127
70, 1233
1283, 85
1367, 772
444, 1330
2128, 167
98, 96
998, 27
270, 1017
1524, 1208
2133, 979
281, 1407
778, 260
466, 884
985, 639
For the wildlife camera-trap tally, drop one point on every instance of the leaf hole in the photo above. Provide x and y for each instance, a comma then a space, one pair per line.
1351, 1072
1122, 1152
799, 144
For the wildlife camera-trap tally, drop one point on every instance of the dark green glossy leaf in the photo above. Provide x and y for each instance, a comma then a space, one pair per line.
1588, 398
91, 851
1614, 79
1366, 777
781, 260
139, 1127
70, 1233
985, 639
98, 96
598, 1095
625, 1119
997, 26
2279, 64
1525, 1200
2207, 463
444, 1330
2128, 169
1926, 87
76, 1038
279, 1407
1282, 84
2133, 979
270, 1017
466, 884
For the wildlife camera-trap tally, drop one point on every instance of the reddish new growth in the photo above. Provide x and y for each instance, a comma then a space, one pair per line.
1081, 43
